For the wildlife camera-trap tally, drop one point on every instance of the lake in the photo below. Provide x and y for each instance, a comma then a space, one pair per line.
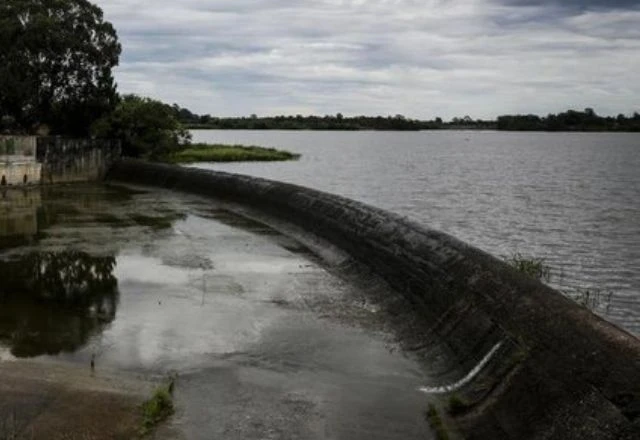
570, 198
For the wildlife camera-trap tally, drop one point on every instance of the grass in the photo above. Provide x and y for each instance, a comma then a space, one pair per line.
436, 423
228, 153
457, 405
593, 298
157, 409
533, 267
537, 268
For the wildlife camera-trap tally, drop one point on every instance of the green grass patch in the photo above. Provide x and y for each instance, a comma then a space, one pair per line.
157, 409
436, 423
533, 267
228, 153
457, 405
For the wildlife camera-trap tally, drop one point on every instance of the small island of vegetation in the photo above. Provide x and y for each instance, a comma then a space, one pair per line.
227, 153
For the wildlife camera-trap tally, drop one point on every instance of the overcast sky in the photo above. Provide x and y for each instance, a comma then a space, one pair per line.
419, 58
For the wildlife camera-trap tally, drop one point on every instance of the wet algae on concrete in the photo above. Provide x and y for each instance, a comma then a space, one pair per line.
264, 341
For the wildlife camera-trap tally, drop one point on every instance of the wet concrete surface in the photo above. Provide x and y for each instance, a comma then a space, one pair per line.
266, 343
57, 401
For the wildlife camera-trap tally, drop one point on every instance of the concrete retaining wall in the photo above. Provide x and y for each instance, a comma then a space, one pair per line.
18, 164
559, 372
27, 160
18, 146
75, 160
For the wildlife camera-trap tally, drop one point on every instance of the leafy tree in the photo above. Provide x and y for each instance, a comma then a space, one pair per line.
56, 58
146, 127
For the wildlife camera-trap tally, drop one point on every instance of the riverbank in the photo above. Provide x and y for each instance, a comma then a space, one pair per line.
228, 153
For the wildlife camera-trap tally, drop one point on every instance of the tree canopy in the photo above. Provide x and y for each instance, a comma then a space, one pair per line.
146, 127
56, 58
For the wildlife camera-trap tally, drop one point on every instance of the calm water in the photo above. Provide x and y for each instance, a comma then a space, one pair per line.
573, 199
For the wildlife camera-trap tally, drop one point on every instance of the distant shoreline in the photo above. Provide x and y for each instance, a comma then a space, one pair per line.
569, 121
196, 127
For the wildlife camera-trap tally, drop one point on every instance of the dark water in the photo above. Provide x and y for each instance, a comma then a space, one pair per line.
570, 198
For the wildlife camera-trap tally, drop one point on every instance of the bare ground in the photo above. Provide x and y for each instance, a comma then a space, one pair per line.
55, 401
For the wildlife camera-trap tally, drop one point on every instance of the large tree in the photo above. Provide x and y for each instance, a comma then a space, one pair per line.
56, 58
146, 127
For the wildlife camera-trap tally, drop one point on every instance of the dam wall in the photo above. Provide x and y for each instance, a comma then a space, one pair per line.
551, 369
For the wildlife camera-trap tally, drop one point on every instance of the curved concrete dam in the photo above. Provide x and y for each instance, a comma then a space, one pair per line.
538, 365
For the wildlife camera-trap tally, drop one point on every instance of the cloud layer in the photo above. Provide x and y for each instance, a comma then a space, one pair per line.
420, 58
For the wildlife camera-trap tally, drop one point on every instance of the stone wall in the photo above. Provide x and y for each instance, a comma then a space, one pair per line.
75, 160
19, 173
556, 370
18, 147
27, 160
18, 164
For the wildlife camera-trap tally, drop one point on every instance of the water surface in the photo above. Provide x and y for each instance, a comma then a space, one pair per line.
265, 341
570, 198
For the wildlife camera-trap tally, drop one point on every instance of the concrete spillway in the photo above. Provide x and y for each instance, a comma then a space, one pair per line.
549, 367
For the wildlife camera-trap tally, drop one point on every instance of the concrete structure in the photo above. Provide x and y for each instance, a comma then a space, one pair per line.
30, 160
549, 368
75, 160
18, 165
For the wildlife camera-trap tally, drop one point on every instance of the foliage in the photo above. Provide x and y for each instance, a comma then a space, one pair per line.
300, 122
56, 58
571, 120
157, 409
457, 405
228, 153
146, 127
592, 298
533, 267
436, 423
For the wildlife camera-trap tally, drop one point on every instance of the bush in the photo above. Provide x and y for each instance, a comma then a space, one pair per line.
147, 128
533, 267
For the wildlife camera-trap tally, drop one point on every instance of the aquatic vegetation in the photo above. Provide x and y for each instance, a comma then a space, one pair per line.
457, 405
537, 268
436, 423
533, 267
593, 298
227, 153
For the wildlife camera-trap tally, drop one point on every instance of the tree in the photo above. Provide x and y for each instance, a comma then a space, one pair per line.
56, 58
146, 127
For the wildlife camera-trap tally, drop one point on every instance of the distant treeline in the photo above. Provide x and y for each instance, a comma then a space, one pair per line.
571, 120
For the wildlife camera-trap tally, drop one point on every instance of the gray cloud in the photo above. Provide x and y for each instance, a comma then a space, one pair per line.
419, 58
582, 4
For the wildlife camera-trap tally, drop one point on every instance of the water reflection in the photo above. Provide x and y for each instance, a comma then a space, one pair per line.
18, 216
52, 302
